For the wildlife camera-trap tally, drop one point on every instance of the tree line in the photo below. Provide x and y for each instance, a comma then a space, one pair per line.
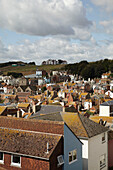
90, 69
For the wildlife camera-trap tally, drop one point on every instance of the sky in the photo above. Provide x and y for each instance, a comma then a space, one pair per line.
71, 30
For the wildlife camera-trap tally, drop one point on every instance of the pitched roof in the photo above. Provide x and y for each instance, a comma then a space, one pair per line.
91, 127
32, 125
104, 118
23, 104
33, 88
52, 117
2, 109
79, 124
82, 126
28, 143
107, 103
47, 109
73, 121
23, 87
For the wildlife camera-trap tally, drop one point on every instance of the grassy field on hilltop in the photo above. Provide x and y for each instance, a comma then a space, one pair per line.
30, 69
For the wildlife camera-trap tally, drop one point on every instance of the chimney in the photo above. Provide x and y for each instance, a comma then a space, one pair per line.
64, 109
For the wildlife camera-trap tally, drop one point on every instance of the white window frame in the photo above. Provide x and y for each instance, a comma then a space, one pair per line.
2, 161
72, 152
103, 164
13, 163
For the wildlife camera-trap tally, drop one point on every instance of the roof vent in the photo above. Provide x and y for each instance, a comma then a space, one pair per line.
60, 160
47, 148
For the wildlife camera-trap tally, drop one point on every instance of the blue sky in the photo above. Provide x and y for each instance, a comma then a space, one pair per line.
73, 30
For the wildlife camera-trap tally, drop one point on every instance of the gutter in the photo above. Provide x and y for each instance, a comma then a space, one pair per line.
47, 159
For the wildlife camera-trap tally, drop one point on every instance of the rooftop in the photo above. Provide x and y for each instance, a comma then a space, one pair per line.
79, 124
2, 109
27, 143
23, 105
47, 109
107, 103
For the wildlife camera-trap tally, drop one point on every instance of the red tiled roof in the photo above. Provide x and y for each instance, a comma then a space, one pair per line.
32, 125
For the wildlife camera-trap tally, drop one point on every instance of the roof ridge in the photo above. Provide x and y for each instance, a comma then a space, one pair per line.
83, 124
33, 132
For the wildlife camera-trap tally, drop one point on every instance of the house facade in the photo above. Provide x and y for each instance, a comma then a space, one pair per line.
106, 108
95, 156
38, 144
94, 138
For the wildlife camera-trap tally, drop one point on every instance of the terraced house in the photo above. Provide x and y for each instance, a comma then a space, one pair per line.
38, 144
93, 136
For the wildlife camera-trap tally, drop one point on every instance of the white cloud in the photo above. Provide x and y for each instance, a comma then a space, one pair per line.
56, 48
43, 17
108, 26
105, 4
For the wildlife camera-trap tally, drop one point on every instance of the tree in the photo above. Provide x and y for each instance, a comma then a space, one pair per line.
43, 89
88, 72
14, 74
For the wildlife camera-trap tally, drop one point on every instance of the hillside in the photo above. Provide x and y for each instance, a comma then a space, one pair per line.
29, 69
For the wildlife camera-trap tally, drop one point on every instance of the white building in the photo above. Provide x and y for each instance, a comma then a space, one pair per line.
94, 138
109, 93
106, 108
61, 93
87, 104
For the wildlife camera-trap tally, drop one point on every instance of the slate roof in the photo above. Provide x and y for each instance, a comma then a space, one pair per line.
47, 109
79, 124
108, 103
52, 117
82, 126
23, 87
27, 143
33, 88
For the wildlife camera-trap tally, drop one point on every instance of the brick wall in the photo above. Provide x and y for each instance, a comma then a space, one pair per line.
26, 164
110, 153
57, 152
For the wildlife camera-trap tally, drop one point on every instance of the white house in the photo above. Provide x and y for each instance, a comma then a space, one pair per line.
109, 93
94, 138
106, 108
111, 85
61, 93
105, 75
87, 104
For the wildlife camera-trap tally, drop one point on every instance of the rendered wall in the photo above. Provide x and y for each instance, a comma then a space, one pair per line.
104, 111
96, 149
85, 154
71, 143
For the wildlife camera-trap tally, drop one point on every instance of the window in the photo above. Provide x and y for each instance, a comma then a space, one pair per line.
60, 160
1, 157
15, 160
72, 156
103, 137
102, 161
